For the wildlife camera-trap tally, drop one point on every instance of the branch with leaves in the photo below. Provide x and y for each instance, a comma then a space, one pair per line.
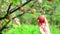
7, 12
15, 17
10, 12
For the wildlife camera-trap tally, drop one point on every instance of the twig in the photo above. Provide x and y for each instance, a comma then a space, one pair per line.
11, 11
9, 8
8, 23
7, 11
4, 26
13, 17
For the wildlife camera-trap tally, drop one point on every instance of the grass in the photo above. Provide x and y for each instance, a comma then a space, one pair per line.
27, 29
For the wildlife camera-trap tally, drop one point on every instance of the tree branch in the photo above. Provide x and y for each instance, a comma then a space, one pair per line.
7, 11
9, 8
11, 11
13, 17
9, 22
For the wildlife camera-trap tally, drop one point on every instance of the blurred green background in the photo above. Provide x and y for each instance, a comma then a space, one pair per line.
28, 21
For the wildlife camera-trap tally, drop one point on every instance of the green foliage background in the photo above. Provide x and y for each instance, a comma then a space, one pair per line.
31, 26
